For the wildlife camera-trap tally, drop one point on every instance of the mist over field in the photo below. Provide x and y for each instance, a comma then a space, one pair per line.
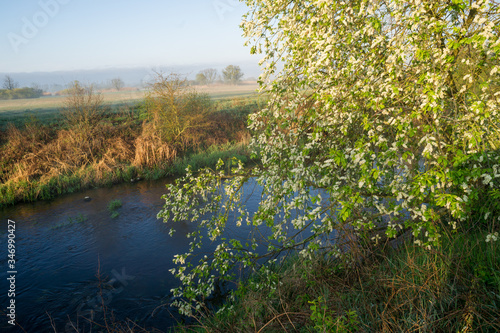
50, 42
132, 77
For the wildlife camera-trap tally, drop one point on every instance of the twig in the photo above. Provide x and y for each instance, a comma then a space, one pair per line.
281, 315
51, 322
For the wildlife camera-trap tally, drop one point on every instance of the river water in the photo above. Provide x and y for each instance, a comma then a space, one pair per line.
59, 258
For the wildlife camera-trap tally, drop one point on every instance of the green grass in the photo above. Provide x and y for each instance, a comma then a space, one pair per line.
19, 117
47, 110
53, 116
23, 191
453, 288
225, 95
209, 158
80, 218
113, 207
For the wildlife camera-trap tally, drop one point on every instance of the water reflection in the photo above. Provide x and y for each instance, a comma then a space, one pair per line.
58, 261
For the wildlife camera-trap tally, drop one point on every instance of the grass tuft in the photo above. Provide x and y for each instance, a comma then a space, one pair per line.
113, 207
80, 218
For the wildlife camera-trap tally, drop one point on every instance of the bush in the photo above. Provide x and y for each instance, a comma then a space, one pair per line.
175, 110
374, 109
19, 93
82, 106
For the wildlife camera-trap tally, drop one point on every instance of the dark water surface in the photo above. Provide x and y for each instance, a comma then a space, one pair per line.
57, 262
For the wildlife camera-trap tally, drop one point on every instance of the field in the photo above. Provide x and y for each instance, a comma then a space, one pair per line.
225, 91
47, 109
48, 152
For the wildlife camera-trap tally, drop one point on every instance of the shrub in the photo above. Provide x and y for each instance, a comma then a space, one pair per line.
175, 110
374, 109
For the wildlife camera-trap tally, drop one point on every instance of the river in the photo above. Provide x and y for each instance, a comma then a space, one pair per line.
63, 245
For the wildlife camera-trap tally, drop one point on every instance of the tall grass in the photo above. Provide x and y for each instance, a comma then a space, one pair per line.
40, 162
453, 288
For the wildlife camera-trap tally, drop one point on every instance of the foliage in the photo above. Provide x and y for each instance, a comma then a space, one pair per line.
82, 106
19, 93
324, 322
175, 109
113, 206
382, 121
117, 83
232, 74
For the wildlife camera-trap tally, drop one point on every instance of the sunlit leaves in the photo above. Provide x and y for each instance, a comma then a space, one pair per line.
384, 106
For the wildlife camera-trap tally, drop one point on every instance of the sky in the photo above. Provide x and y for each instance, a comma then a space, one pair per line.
62, 35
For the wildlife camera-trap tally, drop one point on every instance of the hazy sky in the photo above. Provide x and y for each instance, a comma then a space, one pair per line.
51, 35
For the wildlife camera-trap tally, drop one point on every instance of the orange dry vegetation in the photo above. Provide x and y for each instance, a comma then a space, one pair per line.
106, 150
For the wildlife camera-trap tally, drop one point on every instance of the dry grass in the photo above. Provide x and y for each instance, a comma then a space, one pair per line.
65, 153
39, 162
150, 150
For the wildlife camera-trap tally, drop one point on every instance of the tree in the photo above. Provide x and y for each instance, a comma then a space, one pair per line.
175, 109
82, 106
232, 74
210, 75
9, 83
117, 83
382, 121
201, 78
37, 88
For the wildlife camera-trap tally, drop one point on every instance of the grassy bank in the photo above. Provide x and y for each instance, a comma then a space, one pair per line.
91, 177
453, 288
44, 159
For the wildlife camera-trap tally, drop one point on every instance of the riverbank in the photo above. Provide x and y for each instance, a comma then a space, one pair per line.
41, 161
452, 288
85, 178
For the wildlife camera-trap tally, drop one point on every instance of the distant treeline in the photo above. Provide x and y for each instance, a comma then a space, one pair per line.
19, 93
